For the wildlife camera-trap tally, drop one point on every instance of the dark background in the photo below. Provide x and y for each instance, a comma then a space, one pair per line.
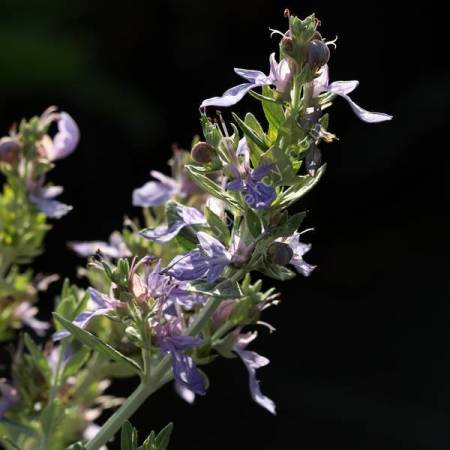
361, 357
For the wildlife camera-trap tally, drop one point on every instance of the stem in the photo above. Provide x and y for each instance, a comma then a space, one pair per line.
161, 375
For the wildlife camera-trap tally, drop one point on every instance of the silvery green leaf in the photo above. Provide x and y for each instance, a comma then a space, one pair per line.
295, 192
95, 343
211, 187
163, 438
251, 134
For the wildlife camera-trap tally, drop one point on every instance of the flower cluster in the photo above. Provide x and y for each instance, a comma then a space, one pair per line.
171, 293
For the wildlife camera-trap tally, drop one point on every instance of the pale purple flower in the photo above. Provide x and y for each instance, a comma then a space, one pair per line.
279, 76
102, 304
44, 199
26, 312
253, 361
8, 397
257, 194
299, 249
115, 248
208, 261
66, 139
171, 340
154, 284
343, 88
155, 193
185, 216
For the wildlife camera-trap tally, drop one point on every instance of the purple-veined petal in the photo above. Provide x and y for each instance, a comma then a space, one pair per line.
320, 83
116, 248
193, 265
164, 179
210, 245
184, 342
152, 193
103, 300
51, 208
186, 373
66, 139
236, 185
343, 87
82, 320
364, 115
253, 76
163, 233
280, 73
230, 97
259, 195
186, 216
253, 361
261, 171
185, 393
302, 266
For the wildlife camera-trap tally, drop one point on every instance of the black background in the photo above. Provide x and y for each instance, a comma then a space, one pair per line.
360, 359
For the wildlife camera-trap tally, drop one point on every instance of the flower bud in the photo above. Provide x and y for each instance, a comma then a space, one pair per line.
318, 54
9, 149
202, 153
313, 160
280, 253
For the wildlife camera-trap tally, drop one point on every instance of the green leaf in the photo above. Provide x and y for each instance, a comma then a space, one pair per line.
163, 438
253, 223
283, 172
274, 114
96, 344
250, 133
128, 437
149, 443
211, 187
38, 358
225, 289
278, 272
218, 227
304, 185
75, 363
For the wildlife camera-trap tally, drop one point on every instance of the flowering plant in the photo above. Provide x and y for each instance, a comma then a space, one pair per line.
170, 293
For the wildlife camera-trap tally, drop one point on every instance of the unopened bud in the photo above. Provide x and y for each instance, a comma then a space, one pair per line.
313, 160
318, 54
202, 153
9, 149
280, 253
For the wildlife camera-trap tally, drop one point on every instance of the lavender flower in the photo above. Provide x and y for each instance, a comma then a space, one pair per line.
8, 397
299, 249
257, 194
155, 193
167, 291
44, 199
185, 216
208, 261
26, 312
171, 340
103, 304
65, 140
279, 76
115, 248
343, 88
253, 361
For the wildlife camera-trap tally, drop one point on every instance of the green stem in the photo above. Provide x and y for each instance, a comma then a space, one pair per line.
159, 377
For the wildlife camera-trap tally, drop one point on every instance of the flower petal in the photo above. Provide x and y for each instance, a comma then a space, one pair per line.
51, 208
364, 115
230, 97
253, 76
343, 87
152, 193
66, 140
